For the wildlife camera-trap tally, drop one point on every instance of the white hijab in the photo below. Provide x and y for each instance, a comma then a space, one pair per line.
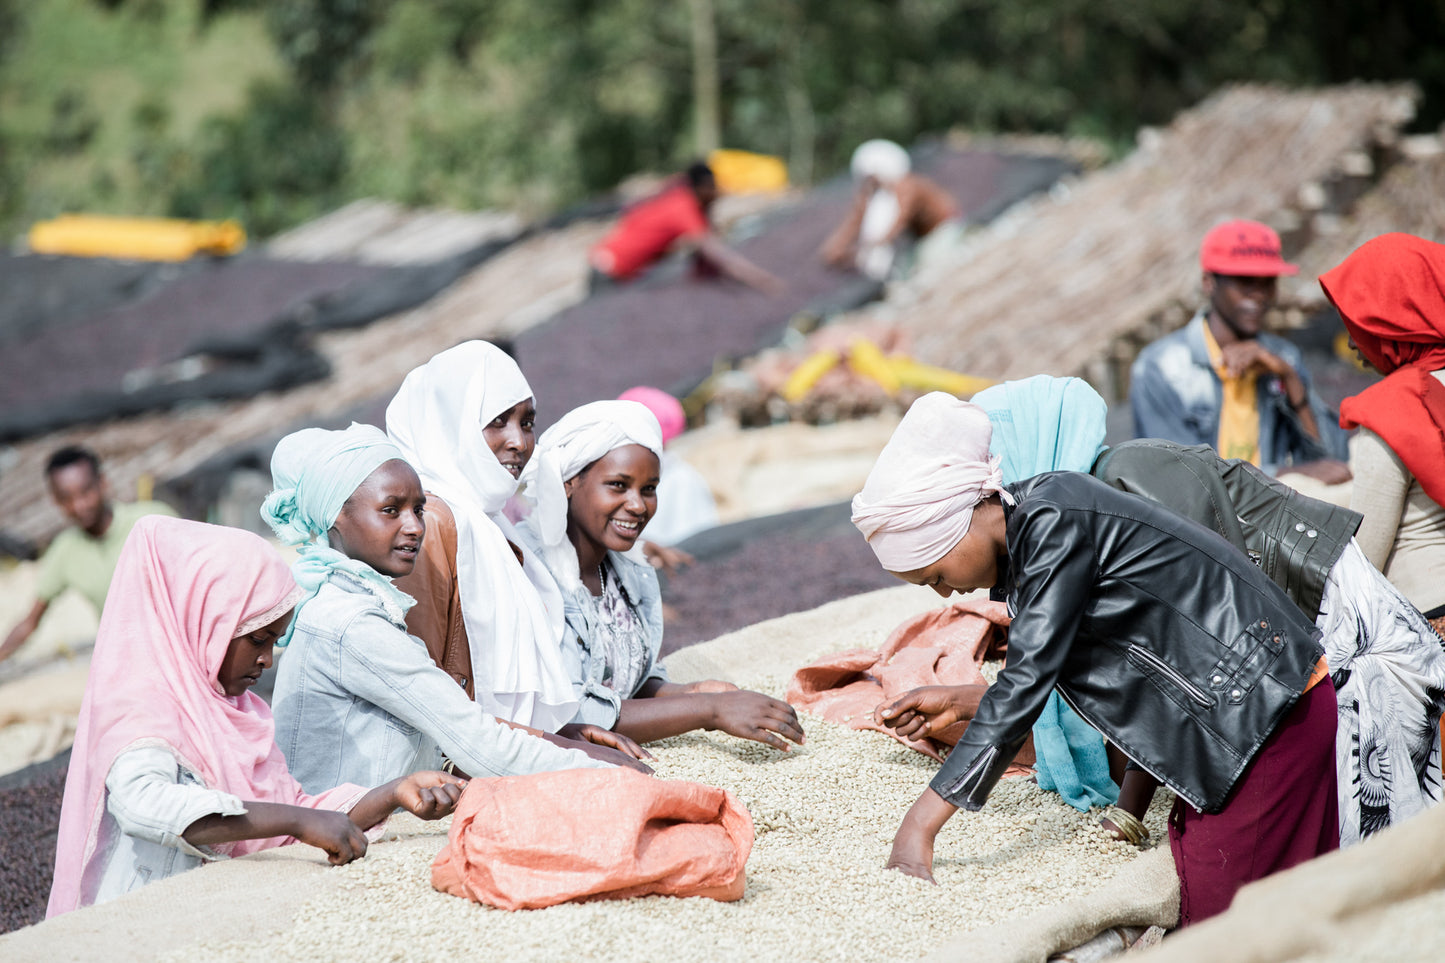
582, 436
513, 615
918, 501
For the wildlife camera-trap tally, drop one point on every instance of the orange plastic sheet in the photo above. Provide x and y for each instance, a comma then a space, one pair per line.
941, 647
525, 842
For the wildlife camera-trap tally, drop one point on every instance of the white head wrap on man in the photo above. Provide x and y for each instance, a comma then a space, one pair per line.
881, 159
513, 614
313, 473
581, 437
919, 498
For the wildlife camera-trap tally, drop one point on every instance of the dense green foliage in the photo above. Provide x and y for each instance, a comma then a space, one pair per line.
271, 110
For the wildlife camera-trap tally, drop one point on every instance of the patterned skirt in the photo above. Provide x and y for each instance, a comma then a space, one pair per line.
1388, 666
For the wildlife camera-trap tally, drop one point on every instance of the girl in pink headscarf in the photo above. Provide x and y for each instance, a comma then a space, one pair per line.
175, 761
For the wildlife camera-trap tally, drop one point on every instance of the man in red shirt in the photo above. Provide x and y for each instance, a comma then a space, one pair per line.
678, 216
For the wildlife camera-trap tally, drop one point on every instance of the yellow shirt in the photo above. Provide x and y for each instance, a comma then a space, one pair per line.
1239, 415
77, 561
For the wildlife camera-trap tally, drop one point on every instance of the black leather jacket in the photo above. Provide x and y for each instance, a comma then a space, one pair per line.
1157, 632
1295, 539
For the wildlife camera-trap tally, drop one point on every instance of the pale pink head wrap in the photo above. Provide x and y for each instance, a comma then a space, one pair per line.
671, 417
919, 498
182, 591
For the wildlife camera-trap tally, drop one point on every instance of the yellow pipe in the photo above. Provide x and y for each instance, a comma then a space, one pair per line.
805, 375
139, 238
927, 377
865, 358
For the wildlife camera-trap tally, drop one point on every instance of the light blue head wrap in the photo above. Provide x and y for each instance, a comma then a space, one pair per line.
1044, 424
314, 472
1054, 424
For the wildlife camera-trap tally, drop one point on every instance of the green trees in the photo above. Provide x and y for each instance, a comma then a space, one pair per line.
536, 103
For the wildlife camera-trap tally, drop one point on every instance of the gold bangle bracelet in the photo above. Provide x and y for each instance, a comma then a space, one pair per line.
1127, 823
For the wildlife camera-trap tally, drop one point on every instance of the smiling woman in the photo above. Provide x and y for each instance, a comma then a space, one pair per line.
464, 421
356, 696
595, 483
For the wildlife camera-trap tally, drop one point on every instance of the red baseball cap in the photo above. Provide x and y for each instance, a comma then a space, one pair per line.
1244, 249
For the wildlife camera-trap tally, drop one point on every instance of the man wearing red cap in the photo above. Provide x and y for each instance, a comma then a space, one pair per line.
1223, 381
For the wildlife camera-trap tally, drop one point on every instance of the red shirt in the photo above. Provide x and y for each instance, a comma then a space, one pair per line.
647, 230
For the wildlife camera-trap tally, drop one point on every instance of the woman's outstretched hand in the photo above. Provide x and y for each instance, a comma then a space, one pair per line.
332, 831
597, 735
929, 709
429, 795
912, 852
752, 715
602, 753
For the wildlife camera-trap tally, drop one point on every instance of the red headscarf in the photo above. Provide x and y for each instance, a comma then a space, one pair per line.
1391, 296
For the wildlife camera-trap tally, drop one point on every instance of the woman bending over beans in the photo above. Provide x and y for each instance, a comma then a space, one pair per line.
595, 479
1155, 631
175, 761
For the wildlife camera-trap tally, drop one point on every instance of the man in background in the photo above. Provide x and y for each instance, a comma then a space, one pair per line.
891, 204
83, 556
675, 218
1223, 381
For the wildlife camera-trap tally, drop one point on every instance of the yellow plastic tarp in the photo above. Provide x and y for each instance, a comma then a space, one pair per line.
743, 172
138, 238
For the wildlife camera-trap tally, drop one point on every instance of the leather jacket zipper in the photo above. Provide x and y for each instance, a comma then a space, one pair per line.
1171, 673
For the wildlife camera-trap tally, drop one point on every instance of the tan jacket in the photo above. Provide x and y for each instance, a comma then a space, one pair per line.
436, 618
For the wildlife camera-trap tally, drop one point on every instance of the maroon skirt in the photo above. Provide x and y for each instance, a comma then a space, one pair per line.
1282, 812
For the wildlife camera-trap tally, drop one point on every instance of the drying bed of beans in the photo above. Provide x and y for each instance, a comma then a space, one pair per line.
825, 816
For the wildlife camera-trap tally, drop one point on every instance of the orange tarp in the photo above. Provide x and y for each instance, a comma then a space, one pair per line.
524, 842
941, 647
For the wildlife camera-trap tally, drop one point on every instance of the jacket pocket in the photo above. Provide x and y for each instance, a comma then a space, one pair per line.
1152, 663
401, 743
1249, 656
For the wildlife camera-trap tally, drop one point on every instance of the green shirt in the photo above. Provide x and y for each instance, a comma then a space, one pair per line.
75, 560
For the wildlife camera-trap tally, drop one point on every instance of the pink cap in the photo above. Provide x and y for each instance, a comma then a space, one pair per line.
667, 409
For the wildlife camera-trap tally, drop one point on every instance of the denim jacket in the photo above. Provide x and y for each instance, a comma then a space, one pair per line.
600, 704
359, 700
151, 798
1176, 395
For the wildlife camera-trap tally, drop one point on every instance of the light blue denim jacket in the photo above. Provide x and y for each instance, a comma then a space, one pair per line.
599, 704
359, 700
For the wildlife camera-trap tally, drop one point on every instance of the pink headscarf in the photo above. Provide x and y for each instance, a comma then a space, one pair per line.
919, 498
182, 591
668, 409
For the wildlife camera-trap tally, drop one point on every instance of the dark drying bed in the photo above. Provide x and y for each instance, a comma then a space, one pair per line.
670, 330
766, 567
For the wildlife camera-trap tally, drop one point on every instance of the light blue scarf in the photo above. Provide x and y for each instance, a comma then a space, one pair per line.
314, 472
1043, 424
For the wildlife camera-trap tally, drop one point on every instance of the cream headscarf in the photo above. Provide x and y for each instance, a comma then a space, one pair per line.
513, 615
581, 437
919, 498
